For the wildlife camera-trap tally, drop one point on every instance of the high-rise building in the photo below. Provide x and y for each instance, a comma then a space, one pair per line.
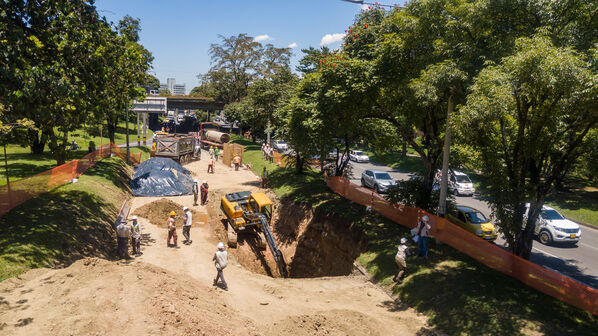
173, 87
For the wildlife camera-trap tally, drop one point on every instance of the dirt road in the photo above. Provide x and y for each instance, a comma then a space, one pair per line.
168, 290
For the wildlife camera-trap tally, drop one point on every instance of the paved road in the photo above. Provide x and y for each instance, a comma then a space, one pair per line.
579, 262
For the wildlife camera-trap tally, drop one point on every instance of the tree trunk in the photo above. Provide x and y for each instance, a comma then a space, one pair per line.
112, 131
404, 150
299, 160
37, 142
524, 243
58, 149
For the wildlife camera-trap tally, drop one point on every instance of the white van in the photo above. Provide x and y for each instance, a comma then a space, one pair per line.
553, 227
460, 183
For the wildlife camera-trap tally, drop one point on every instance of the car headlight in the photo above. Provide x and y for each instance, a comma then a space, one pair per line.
478, 232
559, 229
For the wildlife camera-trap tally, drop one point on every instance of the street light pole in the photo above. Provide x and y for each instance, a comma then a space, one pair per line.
361, 2
445, 159
127, 127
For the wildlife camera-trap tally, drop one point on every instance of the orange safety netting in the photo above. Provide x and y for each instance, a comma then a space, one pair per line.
549, 282
17, 192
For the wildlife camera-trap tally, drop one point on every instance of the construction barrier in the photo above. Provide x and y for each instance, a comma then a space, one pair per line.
17, 192
549, 282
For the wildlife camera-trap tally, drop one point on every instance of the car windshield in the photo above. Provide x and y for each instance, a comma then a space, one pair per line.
551, 215
475, 217
383, 176
463, 179
358, 152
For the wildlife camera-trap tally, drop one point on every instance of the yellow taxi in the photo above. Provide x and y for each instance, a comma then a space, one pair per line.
473, 221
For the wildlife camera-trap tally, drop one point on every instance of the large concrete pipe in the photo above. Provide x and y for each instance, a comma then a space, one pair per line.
218, 137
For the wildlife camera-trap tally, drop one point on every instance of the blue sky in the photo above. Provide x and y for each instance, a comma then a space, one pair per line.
179, 32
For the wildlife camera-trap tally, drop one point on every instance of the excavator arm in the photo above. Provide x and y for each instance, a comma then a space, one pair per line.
278, 257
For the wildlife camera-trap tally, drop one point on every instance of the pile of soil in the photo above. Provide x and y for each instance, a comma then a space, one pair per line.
98, 297
335, 322
157, 212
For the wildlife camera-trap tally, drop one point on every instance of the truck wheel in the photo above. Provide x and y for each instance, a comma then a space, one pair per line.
362, 182
545, 237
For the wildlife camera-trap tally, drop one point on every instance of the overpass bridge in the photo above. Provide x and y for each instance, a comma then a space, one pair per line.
161, 105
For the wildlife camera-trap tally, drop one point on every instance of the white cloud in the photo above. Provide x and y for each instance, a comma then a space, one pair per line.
292, 45
264, 37
364, 7
331, 38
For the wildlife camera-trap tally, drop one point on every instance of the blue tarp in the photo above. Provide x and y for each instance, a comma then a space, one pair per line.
161, 177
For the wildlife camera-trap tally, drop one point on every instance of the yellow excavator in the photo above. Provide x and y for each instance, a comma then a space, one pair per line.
251, 213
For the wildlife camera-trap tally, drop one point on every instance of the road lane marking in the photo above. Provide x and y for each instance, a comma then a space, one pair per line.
586, 245
550, 254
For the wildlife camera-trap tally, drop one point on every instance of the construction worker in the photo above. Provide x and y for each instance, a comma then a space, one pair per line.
423, 232
136, 236
195, 192
216, 153
400, 258
220, 261
171, 229
204, 192
237, 161
187, 226
123, 232
211, 151
264, 177
211, 165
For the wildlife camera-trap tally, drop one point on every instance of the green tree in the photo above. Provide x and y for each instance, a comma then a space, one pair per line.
528, 117
312, 59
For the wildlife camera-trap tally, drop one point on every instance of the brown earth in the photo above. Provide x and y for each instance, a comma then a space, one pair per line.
168, 290
158, 212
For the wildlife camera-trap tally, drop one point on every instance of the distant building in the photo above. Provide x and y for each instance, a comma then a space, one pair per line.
178, 89
173, 87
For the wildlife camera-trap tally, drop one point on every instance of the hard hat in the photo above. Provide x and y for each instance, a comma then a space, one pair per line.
134, 218
403, 240
195, 181
425, 218
204, 181
220, 246
185, 208
172, 213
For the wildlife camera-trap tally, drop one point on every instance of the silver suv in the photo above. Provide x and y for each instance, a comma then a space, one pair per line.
377, 179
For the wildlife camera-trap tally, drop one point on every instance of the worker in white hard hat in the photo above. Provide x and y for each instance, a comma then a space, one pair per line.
188, 220
400, 258
195, 192
220, 261
204, 192
136, 236
423, 232
123, 232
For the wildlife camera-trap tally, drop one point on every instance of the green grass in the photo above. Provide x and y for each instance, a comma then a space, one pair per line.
459, 295
21, 163
408, 164
463, 297
69, 222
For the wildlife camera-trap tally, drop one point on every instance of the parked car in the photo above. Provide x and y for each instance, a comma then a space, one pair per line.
377, 179
358, 156
473, 221
280, 145
553, 227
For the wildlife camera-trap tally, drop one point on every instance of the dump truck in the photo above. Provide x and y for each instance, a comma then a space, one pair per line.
210, 135
179, 147
251, 213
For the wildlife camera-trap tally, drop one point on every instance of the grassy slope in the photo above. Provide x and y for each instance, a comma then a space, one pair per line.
70, 221
460, 295
21, 163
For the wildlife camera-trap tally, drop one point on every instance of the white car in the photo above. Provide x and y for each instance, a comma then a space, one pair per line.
358, 156
280, 145
460, 183
553, 227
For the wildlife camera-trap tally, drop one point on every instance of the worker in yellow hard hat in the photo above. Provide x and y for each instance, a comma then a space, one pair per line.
171, 224
211, 151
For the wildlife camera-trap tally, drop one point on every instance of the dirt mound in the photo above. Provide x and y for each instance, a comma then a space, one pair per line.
157, 212
336, 322
98, 297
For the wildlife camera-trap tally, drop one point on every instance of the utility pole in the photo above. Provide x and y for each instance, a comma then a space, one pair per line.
268, 131
127, 127
445, 158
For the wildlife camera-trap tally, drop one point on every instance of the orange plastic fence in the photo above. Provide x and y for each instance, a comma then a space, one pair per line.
22, 190
549, 282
